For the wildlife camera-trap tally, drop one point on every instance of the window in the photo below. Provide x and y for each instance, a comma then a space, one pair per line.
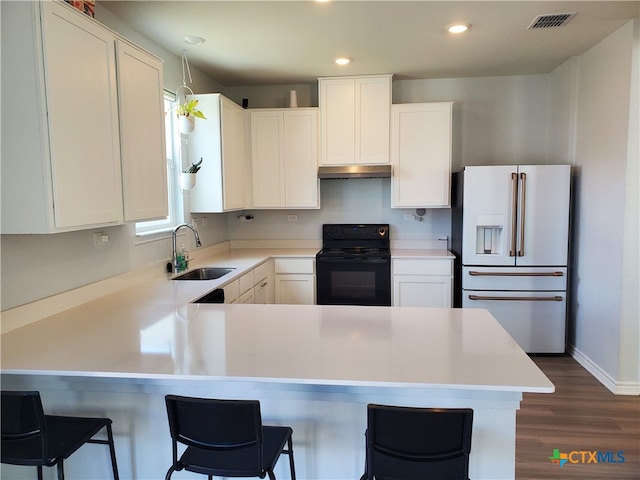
175, 200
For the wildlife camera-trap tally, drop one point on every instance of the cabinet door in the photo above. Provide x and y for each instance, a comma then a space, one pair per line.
337, 113
261, 292
267, 159
82, 104
421, 155
295, 289
247, 297
422, 291
233, 159
301, 158
144, 163
372, 118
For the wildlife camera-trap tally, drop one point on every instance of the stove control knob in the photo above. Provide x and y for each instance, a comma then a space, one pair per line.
382, 231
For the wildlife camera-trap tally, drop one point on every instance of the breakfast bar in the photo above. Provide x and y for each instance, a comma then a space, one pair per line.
314, 368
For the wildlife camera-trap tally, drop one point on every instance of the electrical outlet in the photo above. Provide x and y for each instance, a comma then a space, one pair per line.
205, 221
100, 238
292, 218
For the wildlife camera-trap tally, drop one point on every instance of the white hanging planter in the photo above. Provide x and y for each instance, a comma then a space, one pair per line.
186, 125
187, 180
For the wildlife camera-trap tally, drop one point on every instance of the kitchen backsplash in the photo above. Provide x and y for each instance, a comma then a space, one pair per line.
342, 201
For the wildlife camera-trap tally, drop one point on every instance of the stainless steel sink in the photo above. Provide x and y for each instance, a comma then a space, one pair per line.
204, 273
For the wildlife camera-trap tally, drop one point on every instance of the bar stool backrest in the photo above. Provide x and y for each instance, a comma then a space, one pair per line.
418, 443
24, 428
213, 424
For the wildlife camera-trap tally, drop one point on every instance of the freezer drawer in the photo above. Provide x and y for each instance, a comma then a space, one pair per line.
514, 278
535, 320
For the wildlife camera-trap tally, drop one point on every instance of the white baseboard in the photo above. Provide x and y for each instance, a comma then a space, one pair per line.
614, 386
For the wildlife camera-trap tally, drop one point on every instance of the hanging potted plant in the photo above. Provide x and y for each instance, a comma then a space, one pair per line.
188, 176
187, 113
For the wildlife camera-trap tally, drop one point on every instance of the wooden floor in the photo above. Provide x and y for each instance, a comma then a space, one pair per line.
583, 416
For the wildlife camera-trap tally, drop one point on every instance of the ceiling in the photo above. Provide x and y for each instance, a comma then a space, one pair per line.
294, 42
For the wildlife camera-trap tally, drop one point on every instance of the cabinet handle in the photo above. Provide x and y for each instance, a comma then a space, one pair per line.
475, 273
555, 298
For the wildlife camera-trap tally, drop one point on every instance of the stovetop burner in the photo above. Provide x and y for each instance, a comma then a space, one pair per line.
355, 240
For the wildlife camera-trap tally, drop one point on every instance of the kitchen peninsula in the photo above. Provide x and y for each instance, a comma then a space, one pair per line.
313, 368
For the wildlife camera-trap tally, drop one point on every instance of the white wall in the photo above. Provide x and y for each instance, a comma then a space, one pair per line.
605, 152
496, 120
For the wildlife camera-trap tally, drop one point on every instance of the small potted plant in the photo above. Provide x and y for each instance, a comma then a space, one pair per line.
187, 113
188, 176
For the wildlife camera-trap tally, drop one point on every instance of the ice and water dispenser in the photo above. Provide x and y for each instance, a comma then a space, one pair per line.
489, 229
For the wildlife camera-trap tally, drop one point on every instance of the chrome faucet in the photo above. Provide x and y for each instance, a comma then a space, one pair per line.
175, 248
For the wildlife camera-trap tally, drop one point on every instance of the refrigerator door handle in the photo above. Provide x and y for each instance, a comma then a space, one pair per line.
514, 208
523, 196
555, 298
475, 273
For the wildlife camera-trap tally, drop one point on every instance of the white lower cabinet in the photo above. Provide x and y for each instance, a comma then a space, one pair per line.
253, 286
422, 282
295, 281
263, 283
231, 292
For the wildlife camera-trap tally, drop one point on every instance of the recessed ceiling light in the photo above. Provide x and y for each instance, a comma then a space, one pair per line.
458, 27
343, 60
192, 40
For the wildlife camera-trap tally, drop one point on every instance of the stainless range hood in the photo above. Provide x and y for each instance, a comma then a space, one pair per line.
355, 171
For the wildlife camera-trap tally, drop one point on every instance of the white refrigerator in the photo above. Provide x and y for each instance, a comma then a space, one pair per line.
511, 239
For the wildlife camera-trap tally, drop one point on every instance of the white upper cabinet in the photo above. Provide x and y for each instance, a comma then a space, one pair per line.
284, 155
61, 157
144, 163
219, 141
421, 155
354, 120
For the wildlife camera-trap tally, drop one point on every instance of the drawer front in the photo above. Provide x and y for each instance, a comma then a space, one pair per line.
261, 272
536, 320
407, 266
294, 265
514, 278
246, 282
231, 292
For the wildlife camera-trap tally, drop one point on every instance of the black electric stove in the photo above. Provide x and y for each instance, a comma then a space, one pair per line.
354, 265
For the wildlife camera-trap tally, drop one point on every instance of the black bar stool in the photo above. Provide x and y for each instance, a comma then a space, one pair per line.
29, 437
406, 443
225, 438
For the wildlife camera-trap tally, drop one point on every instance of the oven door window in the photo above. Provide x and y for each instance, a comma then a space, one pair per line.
349, 282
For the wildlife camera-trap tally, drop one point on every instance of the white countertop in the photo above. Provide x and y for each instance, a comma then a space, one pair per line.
423, 253
137, 335
150, 331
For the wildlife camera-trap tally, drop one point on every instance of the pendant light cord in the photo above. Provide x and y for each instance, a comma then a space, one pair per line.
185, 69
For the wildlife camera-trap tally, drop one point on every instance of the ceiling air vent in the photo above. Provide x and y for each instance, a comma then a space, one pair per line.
551, 20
